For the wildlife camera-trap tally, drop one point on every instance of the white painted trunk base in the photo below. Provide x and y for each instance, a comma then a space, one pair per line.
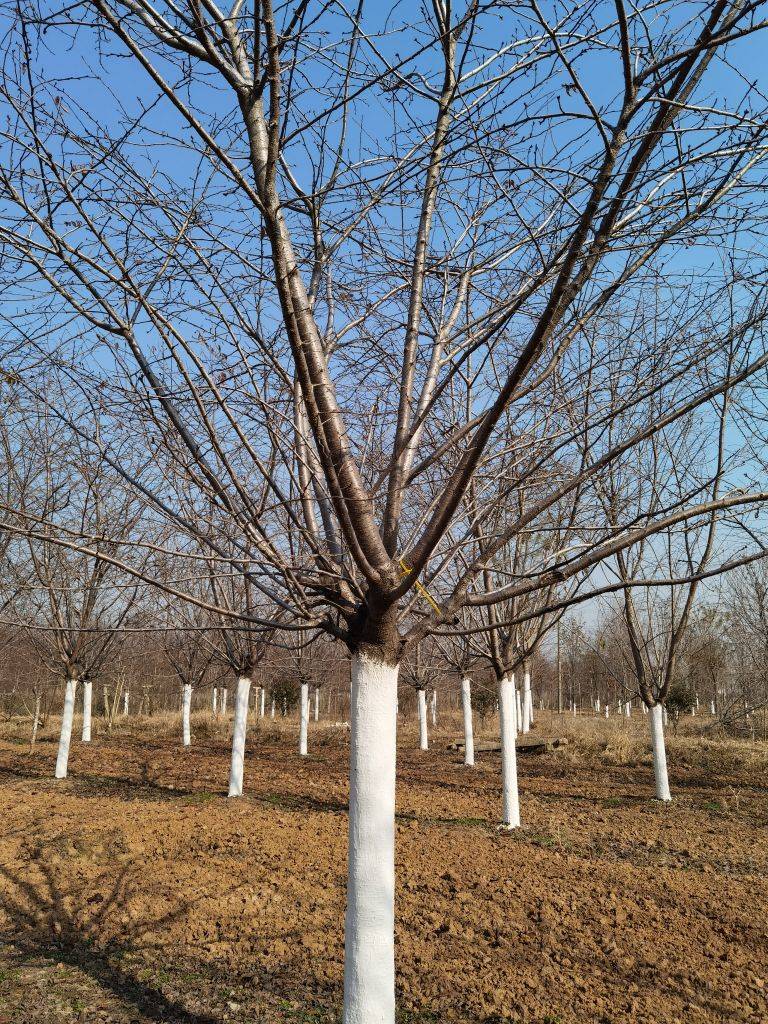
126, 701
518, 707
272, 709
262, 698
65, 736
659, 753
215, 701
469, 737
369, 939
423, 735
304, 722
433, 708
239, 729
525, 725
317, 704
507, 728
223, 707
87, 701
186, 707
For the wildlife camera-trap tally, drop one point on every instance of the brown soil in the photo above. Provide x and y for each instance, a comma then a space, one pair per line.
135, 892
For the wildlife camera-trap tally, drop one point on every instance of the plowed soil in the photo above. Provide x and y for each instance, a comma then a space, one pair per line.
134, 891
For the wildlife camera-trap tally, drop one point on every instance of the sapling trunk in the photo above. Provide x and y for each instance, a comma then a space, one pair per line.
239, 729
525, 725
87, 694
423, 735
469, 738
65, 736
186, 707
304, 720
35, 722
317, 703
507, 728
659, 753
369, 939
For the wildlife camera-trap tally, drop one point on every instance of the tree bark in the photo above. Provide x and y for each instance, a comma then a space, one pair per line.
186, 707
659, 753
65, 736
238, 737
304, 721
369, 946
507, 726
87, 695
469, 738
423, 734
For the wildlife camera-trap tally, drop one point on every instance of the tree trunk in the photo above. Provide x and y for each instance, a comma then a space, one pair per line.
434, 709
304, 720
238, 736
186, 707
469, 738
87, 694
659, 753
526, 722
215, 701
272, 709
65, 735
423, 735
35, 722
317, 703
126, 697
369, 939
262, 697
507, 726
224, 700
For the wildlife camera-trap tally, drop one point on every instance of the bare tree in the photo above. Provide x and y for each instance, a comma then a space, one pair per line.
339, 218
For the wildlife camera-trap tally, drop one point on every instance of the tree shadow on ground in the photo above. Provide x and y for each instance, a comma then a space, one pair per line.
84, 926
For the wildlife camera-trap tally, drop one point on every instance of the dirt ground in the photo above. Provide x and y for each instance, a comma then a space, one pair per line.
136, 892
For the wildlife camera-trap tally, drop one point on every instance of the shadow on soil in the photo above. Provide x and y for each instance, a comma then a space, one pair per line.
86, 928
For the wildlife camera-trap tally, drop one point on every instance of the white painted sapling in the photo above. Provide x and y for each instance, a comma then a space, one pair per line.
423, 735
304, 719
65, 734
469, 739
87, 700
186, 708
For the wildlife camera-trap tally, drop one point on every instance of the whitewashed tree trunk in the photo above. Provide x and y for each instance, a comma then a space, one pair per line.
186, 707
215, 701
597, 705
126, 703
469, 737
223, 705
369, 939
573, 708
304, 721
87, 695
659, 753
65, 736
272, 709
507, 728
262, 698
518, 708
607, 711
423, 736
665, 718
712, 708
526, 701
317, 703
433, 708
35, 722
239, 729
628, 709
